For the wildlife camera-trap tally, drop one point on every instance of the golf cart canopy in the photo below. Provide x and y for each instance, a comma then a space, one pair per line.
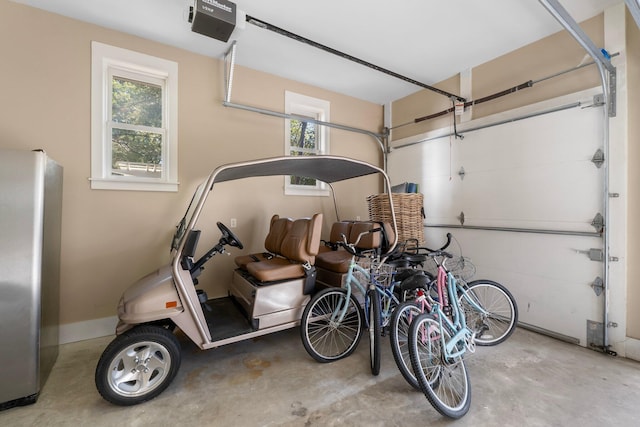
328, 169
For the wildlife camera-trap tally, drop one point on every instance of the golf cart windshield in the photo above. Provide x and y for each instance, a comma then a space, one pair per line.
181, 228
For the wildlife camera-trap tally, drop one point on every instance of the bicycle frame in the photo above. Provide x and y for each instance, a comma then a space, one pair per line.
447, 288
385, 292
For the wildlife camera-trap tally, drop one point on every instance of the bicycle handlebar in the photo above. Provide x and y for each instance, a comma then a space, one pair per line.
446, 245
434, 254
351, 247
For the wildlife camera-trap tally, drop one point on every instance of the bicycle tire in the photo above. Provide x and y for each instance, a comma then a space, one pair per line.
500, 322
324, 339
399, 339
375, 334
444, 382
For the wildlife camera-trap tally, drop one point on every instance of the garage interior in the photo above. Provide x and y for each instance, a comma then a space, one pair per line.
534, 177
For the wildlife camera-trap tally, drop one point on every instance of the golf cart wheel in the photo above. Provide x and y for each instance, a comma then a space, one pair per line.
138, 365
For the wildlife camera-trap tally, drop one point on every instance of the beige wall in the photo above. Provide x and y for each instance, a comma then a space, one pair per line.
110, 238
545, 57
421, 104
633, 230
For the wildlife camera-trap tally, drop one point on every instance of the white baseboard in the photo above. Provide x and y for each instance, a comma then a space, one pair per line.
80, 331
632, 349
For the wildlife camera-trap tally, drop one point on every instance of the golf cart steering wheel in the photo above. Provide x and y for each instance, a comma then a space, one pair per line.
228, 237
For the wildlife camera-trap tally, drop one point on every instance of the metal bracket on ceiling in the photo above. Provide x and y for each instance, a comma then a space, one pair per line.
228, 70
229, 64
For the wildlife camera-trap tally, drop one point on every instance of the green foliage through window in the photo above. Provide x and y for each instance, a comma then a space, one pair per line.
303, 142
136, 128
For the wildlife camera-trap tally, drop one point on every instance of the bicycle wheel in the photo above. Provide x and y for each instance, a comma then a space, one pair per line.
444, 381
399, 333
375, 333
324, 336
501, 317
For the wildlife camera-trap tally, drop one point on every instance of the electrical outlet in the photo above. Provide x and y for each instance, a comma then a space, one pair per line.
357, 217
234, 223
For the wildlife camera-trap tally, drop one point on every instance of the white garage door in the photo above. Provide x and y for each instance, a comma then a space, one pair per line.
534, 177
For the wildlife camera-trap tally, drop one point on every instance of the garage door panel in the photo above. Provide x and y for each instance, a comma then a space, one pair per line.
547, 275
531, 174
542, 256
421, 162
443, 198
533, 197
513, 145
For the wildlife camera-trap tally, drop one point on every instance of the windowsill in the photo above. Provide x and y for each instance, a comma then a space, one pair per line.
306, 192
111, 184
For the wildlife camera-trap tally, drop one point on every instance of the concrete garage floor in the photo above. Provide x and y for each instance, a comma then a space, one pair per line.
530, 380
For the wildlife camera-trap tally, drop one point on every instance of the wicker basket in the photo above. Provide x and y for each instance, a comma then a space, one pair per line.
409, 213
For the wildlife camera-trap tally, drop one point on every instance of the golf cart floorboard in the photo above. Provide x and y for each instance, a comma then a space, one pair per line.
225, 318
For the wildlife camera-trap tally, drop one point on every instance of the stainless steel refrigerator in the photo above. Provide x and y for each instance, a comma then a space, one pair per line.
30, 224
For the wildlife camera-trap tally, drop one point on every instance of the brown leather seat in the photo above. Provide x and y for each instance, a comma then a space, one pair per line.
332, 265
278, 228
338, 229
338, 260
299, 247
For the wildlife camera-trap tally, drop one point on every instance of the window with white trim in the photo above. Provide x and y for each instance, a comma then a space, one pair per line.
305, 138
134, 120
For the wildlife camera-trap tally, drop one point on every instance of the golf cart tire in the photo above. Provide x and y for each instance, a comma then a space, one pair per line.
138, 365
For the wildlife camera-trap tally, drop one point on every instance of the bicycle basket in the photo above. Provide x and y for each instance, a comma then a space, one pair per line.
381, 273
459, 266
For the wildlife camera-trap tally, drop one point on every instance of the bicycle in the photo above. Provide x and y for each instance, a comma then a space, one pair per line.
416, 284
438, 340
332, 321
493, 324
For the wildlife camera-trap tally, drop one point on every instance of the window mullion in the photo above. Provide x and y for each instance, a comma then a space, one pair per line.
137, 128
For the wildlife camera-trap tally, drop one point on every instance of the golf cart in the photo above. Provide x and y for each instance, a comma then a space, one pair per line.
268, 294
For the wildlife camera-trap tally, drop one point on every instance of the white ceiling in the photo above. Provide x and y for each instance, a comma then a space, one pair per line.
426, 40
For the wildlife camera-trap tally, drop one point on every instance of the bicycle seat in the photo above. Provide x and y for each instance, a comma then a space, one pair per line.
415, 281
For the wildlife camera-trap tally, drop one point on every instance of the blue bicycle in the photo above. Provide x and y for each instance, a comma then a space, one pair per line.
333, 321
